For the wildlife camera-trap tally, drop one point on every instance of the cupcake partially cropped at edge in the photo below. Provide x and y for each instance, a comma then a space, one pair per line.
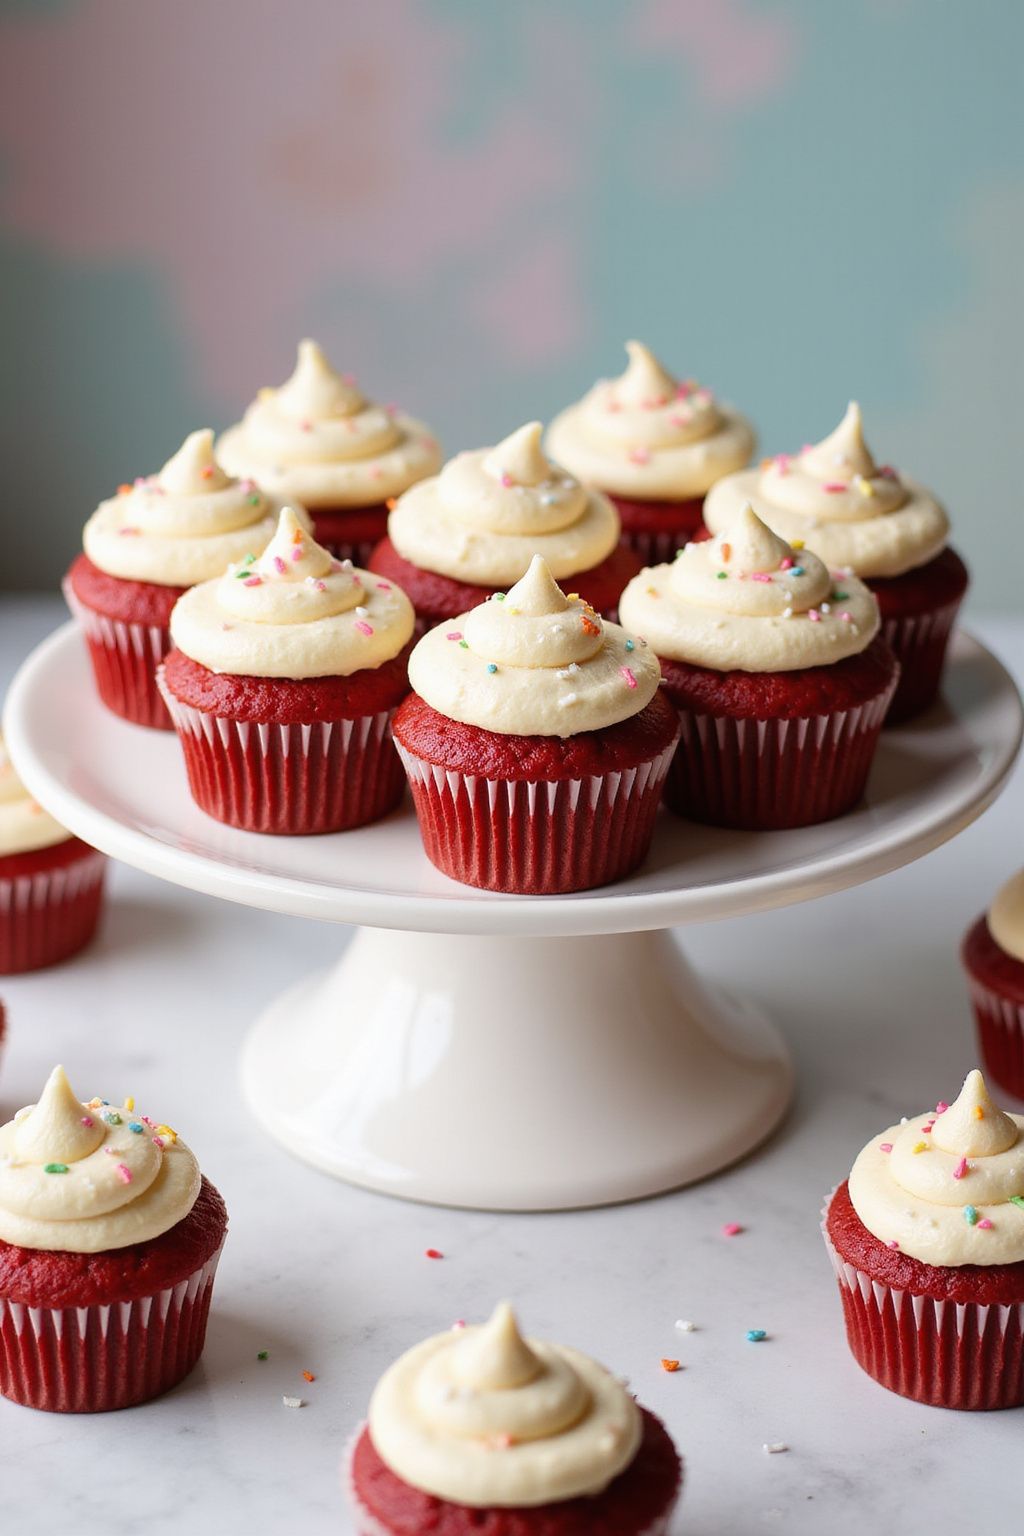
993, 957
536, 742
472, 530
51, 883
880, 525
283, 678
927, 1241
316, 439
142, 549
109, 1242
778, 672
480, 1428
654, 444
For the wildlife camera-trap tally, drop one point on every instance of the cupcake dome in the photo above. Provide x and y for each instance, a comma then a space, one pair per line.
993, 957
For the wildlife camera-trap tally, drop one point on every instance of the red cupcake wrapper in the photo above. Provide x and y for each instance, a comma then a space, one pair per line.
1000, 1024
536, 839
920, 642
761, 775
95, 1359
358, 552
124, 662
654, 548
48, 916
289, 779
943, 1353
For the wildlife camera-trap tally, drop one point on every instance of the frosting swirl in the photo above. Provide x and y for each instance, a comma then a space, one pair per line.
24, 825
295, 612
747, 601
491, 510
318, 438
483, 1417
85, 1178
852, 511
648, 435
534, 663
948, 1187
184, 524
1006, 917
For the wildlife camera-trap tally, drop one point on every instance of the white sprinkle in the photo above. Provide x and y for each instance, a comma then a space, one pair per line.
826, 608
360, 611
774, 1447
568, 698
787, 613
685, 1326
293, 1402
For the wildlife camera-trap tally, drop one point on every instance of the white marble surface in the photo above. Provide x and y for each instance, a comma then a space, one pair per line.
868, 989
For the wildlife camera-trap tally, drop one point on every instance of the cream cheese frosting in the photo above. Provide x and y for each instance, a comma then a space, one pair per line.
1006, 917
482, 1416
491, 510
87, 1178
185, 523
853, 512
750, 602
24, 825
317, 438
947, 1187
296, 612
650, 436
534, 662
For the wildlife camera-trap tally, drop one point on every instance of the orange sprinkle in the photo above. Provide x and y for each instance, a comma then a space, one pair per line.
391, 502
589, 627
308, 1376
726, 552
297, 536
767, 463
124, 489
979, 1113
670, 1365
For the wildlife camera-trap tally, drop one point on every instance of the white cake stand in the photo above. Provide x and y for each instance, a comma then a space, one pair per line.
505, 1052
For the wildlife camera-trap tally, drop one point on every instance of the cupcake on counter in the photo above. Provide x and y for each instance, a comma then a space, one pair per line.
655, 445
927, 1242
142, 549
865, 518
317, 440
283, 678
51, 884
993, 957
778, 672
109, 1241
480, 1428
536, 742
456, 539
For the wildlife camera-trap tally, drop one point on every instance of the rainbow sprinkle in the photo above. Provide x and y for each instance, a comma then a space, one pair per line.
628, 675
363, 627
56, 1168
970, 1215
124, 1173
756, 1335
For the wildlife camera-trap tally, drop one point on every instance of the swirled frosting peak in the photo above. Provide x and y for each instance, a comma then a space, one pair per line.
853, 511
193, 470
492, 509
85, 1178
483, 1417
317, 438
649, 435
748, 601
24, 825
947, 1187
534, 662
1006, 917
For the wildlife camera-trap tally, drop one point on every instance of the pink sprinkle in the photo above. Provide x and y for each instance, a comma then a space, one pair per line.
893, 1244
760, 576
885, 1146
383, 586
141, 479
157, 1141
349, 379
627, 674
279, 565
787, 564
88, 1122
363, 627
458, 1325
704, 395
941, 1107
835, 487
681, 420
782, 463
806, 448
376, 473
297, 552
846, 617
506, 478
247, 484
128, 532
306, 426
732, 1229
613, 406
124, 1174
814, 615
985, 1224
454, 634
253, 581
961, 1168
888, 473
929, 1127
321, 586
684, 389
392, 409
640, 455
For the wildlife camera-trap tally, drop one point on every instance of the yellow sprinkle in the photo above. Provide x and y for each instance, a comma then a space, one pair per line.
266, 393
572, 597
166, 1132
979, 1113
129, 1103
865, 487
796, 544
922, 1146
513, 610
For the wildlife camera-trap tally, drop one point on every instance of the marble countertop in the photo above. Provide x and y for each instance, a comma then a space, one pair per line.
868, 990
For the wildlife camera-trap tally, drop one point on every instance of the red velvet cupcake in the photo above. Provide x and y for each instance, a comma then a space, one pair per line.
51, 884
480, 1429
536, 743
143, 549
109, 1242
472, 530
993, 957
317, 440
870, 521
655, 445
282, 684
927, 1242
777, 673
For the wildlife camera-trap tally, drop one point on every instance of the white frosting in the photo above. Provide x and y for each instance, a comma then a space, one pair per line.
1006, 917
648, 436
24, 825
748, 601
941, 1187
184, 524
87, 1178
317, 439
295, 612
490, 511
483, 1417
833, 495
534, 663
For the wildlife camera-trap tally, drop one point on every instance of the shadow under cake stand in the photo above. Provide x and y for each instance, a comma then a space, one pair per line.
504, 1052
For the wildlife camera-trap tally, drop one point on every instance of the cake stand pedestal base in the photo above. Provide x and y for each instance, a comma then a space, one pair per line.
515, 1073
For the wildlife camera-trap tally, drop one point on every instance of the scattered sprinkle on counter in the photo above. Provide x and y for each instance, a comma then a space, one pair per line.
293, 1402
756, 1335
685, 1326
434, 1253
670, 1366
732, 1229
263, 1354
774, 1447
308, 1376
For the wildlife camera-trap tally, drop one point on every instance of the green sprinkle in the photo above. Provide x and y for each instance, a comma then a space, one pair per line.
499, 597
1017, 1200
56, 1168
264, 1354
970, 1216
463, 645
840, 597
240, 573
723, 575
255, 501
491, 667
756, 1335
630, 646
113, 1118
